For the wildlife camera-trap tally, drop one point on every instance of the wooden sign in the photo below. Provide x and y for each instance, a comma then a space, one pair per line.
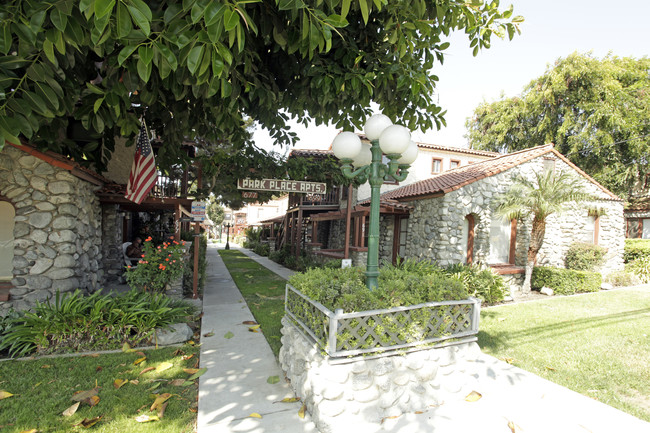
248, 194
283, 185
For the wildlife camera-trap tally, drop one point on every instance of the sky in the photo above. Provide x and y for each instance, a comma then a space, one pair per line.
552, 29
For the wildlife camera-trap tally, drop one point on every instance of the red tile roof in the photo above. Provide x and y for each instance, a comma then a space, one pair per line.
456, 178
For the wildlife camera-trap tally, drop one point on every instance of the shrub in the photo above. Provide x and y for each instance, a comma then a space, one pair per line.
76, 322
159, 266
622, 278
584, 257
641, 268
398, 286
565, 281
262, 249
481, 282
636, 248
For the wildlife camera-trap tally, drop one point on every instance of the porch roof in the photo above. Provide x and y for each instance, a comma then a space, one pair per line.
385, 207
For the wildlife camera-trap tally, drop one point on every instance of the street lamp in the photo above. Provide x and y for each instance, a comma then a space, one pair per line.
363, 161
228, 236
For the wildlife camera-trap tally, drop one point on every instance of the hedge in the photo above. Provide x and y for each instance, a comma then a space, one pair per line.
582, 256
636, 248
565, 281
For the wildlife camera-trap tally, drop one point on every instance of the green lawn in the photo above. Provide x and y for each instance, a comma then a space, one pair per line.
263, 291
597, 344
42, 389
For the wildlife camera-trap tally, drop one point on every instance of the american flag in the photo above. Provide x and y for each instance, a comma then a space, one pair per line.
143, 171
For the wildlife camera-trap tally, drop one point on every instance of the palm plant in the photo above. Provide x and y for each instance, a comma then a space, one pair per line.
549, 193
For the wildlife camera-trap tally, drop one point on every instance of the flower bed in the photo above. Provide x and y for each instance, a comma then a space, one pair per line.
341, 335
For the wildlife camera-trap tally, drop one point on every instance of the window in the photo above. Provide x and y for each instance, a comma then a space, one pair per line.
501, 247
436, 165
399, 237
7, 215
454, 163
591, 230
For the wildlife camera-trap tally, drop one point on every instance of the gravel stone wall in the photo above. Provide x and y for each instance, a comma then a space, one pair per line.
57, 235
357, 395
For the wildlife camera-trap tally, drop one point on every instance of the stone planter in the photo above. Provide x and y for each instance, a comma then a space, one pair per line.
351, 371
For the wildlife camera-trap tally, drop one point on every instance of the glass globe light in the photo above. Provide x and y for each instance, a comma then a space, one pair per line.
364, 157
375, 125
410, 154
394, 140
346, 145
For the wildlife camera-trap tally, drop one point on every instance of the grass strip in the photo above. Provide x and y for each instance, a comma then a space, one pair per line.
596, 344
43, 390
263, 291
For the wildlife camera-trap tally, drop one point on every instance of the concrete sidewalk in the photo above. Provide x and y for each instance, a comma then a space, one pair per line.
235, 384
238, 368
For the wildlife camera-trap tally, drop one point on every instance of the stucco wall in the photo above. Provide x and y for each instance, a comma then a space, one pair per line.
57, 235
435, 225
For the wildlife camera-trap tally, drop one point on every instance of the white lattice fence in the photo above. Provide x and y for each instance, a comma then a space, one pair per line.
342, 334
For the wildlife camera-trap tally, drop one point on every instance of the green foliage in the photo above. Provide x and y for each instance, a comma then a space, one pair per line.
410, 283
159, 266
76, 322
565, 281
621, 279
636, 248
641, 268
593, 110
262, 249
204, 70
481, 282
584, 257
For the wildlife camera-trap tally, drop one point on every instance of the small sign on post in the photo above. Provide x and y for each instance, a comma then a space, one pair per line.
198, 210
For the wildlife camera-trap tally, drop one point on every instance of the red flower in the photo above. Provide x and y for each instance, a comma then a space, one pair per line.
148, 239
161, 266
142, 255
166, 260
128, 267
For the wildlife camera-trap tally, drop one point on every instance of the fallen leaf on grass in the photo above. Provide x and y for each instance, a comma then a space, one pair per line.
512, 426
473, 396
190, 370
134, 381
288, 400
146, 370
177, 382
509, 360
193, 409
99, 368
119, 383
36, 385
89, 422
91, 355
46, 366
5, 394
139, 360
161, 409
418, 412
301, 412
197, 374
83, 395
160, 400
191, 343
155, 385
146, 418
164, 366
71, 410
229, 335
549, 368
255, 415
273, 380
29, 431
186, 357
208, 334
126, 347
91, 401
249, 322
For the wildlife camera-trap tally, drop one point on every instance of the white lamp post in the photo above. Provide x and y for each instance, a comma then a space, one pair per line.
362, 161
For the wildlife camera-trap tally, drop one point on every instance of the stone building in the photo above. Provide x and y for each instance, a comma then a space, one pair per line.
62, 226
453, 217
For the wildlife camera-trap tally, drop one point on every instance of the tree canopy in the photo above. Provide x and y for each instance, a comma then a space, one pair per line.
596, 111
200, 68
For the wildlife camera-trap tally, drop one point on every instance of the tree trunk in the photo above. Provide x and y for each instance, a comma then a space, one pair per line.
536, 241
